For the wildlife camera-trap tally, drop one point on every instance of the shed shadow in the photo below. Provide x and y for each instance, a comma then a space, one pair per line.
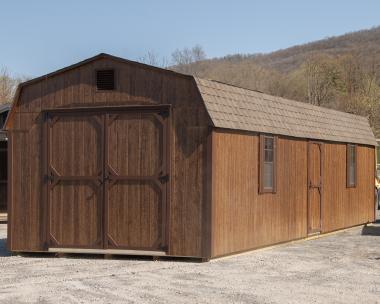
3, 248
371, 230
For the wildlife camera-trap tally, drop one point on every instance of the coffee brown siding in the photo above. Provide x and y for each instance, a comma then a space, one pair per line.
341, 206
242, 218
135, 85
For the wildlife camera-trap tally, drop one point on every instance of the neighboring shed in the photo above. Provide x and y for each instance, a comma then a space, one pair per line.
124, 158
4, 109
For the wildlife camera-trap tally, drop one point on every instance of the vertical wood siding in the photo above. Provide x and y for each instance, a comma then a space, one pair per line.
242, 219
136, 85
344, 207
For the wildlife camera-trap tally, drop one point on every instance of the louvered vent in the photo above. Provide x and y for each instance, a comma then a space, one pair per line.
105, 80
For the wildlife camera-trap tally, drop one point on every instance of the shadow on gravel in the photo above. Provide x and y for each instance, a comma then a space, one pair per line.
371, 230
3, 248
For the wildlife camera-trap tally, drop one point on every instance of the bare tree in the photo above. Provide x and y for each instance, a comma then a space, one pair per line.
182, 59
8, 85
322, 76
198, 53
152, 58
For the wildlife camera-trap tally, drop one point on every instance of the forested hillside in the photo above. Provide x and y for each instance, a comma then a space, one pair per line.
340, 72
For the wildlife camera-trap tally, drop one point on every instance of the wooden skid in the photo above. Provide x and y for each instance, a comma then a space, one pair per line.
108, 251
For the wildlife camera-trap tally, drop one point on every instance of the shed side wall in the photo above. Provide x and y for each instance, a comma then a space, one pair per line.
136, 85
344, 207
242, 219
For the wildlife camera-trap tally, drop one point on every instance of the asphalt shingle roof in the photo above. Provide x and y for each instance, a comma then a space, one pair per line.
237, 108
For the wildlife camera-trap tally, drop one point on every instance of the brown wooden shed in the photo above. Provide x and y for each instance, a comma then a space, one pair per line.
114, 156
4, 109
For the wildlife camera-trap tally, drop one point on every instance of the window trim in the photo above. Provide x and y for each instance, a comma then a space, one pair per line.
261, 164
348, 184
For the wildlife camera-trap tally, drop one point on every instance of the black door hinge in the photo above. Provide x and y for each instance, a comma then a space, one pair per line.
164, 178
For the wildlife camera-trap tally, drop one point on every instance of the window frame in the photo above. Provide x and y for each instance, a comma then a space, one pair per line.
348, 182
262, 189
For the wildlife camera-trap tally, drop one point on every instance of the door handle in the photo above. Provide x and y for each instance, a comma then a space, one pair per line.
311, 185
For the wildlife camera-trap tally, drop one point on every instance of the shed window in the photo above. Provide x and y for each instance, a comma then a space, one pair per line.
351, 165
267, 164
105, 80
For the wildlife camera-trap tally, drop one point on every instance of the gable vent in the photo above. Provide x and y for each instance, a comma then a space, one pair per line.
105, 80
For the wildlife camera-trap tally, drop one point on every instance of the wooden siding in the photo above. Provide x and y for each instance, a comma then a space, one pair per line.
3, 176
242, 218
136, 85
341, 206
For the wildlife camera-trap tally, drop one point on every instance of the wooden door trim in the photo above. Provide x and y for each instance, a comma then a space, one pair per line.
320, 145
110, 109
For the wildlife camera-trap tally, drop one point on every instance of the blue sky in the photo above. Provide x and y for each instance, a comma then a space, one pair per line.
41, 36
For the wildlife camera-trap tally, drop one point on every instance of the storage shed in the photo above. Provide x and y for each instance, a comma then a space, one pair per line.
113, 156
4, 109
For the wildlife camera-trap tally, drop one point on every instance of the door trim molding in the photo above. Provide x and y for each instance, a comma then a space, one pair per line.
321, 149
109, 109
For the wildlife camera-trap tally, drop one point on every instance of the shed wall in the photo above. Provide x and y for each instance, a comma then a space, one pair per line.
345, 207
136, 85
243, 219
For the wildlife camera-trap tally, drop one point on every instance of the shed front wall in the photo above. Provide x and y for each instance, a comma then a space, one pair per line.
135, 85
243, 219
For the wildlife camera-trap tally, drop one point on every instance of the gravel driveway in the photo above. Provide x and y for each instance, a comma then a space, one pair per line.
340, 268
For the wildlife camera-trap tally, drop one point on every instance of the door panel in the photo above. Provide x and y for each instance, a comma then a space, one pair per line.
137, 177
135, 144
135, 212
315, 187
75, 170
74, 214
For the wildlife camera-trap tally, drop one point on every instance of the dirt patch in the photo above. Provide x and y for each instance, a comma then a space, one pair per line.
341, 268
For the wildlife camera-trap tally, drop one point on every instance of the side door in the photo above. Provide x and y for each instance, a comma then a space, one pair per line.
137, 175
315, 187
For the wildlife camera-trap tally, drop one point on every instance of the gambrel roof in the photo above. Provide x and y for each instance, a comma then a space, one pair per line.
236, 108
242, 109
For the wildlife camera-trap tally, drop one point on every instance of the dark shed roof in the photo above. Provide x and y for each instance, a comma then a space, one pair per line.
237, 108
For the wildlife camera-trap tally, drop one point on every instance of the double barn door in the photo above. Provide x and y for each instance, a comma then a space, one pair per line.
107, 174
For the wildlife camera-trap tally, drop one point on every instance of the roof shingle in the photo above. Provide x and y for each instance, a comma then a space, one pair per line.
237, 108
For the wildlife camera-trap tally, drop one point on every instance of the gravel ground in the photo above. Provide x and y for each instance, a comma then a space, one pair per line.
340, 268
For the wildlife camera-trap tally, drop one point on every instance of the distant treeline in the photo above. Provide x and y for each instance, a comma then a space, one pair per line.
342, 73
